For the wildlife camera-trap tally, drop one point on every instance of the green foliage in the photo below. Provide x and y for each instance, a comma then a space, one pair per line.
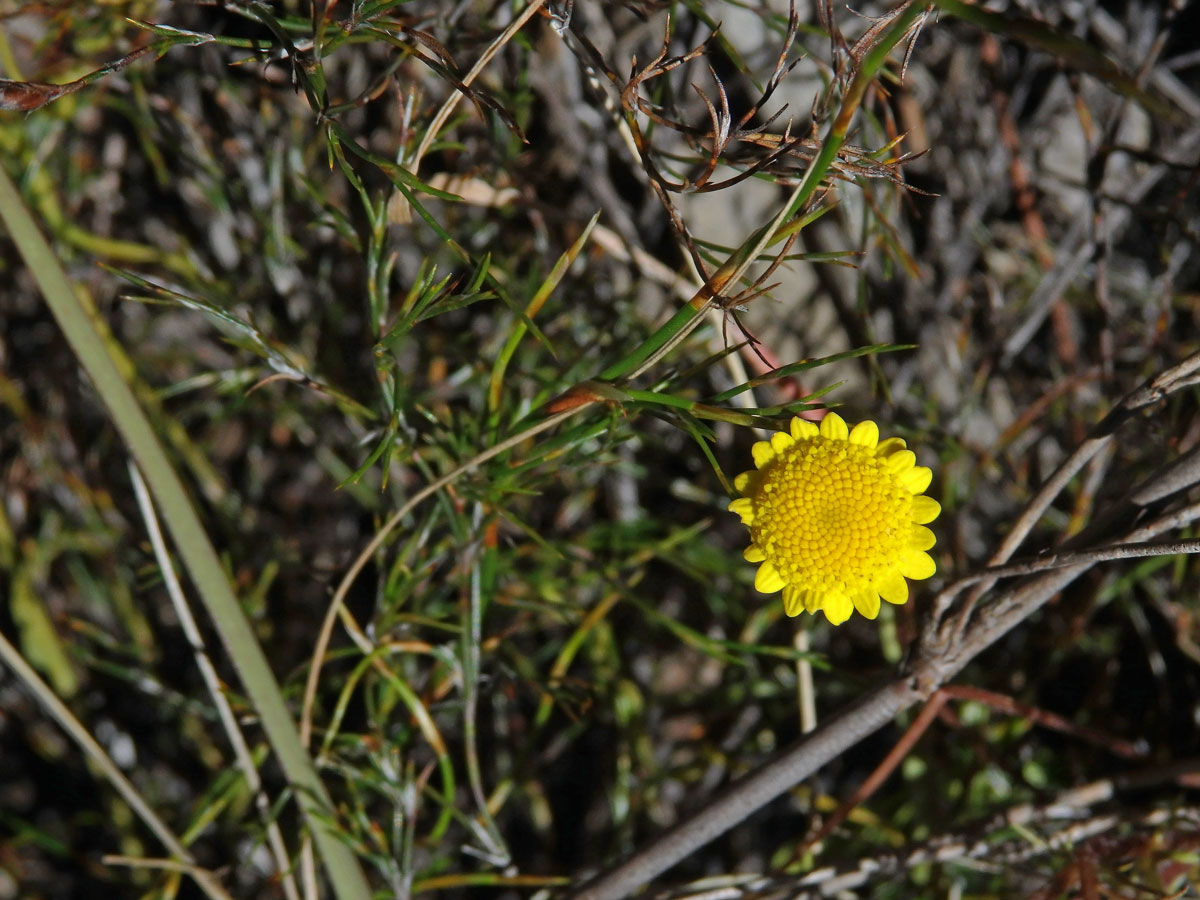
427, 346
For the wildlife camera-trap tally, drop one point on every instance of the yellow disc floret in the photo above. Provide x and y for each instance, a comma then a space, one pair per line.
836, 517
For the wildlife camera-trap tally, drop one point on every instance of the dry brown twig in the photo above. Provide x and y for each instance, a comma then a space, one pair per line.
947, 645
1165, 482
1065, 820
925, 718
718, 144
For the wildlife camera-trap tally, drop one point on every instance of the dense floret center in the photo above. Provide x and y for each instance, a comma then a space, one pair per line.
832, 509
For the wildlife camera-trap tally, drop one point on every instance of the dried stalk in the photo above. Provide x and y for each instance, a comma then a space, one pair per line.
942, 654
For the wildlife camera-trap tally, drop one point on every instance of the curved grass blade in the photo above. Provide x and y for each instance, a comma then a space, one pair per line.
193, 545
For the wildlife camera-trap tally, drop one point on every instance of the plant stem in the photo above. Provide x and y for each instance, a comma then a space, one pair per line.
193, 545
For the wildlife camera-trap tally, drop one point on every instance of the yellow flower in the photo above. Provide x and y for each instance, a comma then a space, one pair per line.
836, 517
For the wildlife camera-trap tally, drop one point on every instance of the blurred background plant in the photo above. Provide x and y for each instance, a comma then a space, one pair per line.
343, 249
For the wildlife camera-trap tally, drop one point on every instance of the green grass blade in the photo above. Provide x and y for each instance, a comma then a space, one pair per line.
192, 543
683, 320
532, 309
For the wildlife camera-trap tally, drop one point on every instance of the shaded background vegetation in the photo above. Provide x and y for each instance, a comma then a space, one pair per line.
575, 617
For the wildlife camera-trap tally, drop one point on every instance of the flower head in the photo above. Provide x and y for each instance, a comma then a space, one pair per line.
837, 517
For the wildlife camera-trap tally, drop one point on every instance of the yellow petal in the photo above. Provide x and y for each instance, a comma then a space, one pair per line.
812, 600
925, 510
768, 580
834, 427
865, 434
916, 479
781, 441
921, 539
901, 461
837, 608
744, 507
753, 554
889, 446
802, 430
893, 588
742, 481
918, 565
793, 601
762, 453
867, 603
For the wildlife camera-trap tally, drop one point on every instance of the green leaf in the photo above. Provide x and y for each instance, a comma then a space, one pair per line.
38, 637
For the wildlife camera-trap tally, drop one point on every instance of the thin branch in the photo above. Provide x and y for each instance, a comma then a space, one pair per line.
940, 657
191, 540
337, 604
58, 711
1150, 392
881, 773
453, 100
1049, 561
212, 682
748, 794
975, 842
